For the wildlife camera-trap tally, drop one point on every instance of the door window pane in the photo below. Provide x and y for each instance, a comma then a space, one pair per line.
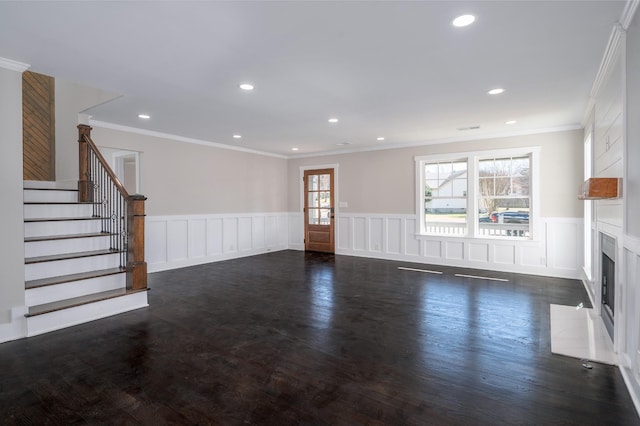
314, 216
325, 216
313, 182
325, 182
325, 199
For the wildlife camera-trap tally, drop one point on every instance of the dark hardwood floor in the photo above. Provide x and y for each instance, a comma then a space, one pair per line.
294, 338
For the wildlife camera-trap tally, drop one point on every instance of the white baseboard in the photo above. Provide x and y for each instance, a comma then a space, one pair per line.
17, 328
632, 386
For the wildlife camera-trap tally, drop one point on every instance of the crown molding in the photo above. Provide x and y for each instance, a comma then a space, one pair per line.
628, 13
12, 65
607, 60
610, 52
136, 130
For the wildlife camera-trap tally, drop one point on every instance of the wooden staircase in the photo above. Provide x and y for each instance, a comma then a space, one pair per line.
77, 268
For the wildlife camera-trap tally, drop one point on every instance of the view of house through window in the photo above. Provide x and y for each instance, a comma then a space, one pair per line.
500, 187
445, 196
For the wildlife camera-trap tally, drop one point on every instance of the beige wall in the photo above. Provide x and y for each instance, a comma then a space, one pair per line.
72, 99
181, 178
11, 225
383, 181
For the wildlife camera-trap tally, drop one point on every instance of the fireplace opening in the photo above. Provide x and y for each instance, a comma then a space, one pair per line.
608, 268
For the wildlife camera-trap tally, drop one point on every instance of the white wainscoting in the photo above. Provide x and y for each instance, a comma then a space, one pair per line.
179, 241
628, 314
556, 250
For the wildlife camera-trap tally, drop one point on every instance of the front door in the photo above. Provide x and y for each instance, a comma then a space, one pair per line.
318, 210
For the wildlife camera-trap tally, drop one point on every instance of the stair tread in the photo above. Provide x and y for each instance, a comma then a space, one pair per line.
62, 219
66, 203
65, 256
67, 236
43, 282
49, 189
78, 301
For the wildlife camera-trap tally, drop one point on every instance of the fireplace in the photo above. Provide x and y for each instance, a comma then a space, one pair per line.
608, 275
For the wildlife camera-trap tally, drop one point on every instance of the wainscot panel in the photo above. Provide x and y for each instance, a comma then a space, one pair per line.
629, 315
556, 252
179, 241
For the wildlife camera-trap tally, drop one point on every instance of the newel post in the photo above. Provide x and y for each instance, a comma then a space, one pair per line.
136, 266
85, 185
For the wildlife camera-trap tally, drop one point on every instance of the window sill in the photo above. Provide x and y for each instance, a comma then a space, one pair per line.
529, 240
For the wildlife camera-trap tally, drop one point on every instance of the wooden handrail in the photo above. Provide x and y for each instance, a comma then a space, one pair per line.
127, 211
85, 137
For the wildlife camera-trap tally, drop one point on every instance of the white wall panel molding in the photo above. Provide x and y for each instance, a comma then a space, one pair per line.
186, 240
296, 231
627, 326
556, 253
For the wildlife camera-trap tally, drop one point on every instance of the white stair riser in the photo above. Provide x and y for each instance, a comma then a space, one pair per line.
80, 314
72, 245
44, 229
66, 184
36, 271
54, 293
35, 196
43, 211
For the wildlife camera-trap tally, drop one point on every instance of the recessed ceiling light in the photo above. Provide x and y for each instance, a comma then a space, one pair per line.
510, 122
496, 91
294, 149
246, 86
333, 120
463, 20
144, 116
237, 136
380, 138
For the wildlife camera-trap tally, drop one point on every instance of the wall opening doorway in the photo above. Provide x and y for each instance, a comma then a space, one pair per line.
126, 166
319, 213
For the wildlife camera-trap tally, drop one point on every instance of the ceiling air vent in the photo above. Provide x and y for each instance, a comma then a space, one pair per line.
468, 128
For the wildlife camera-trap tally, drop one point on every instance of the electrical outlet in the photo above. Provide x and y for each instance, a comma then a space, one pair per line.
376, 247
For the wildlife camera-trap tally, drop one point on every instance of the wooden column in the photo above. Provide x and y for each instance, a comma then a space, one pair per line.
136, 266
85, 185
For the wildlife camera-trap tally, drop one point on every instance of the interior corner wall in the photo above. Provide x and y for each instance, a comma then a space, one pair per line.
11, 183
71, 100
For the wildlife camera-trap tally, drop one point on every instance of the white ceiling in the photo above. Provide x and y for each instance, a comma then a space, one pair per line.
394, 69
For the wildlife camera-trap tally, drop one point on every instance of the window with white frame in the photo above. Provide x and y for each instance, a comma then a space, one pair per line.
500, 183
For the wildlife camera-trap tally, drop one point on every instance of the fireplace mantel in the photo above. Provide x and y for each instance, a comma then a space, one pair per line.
600, 188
